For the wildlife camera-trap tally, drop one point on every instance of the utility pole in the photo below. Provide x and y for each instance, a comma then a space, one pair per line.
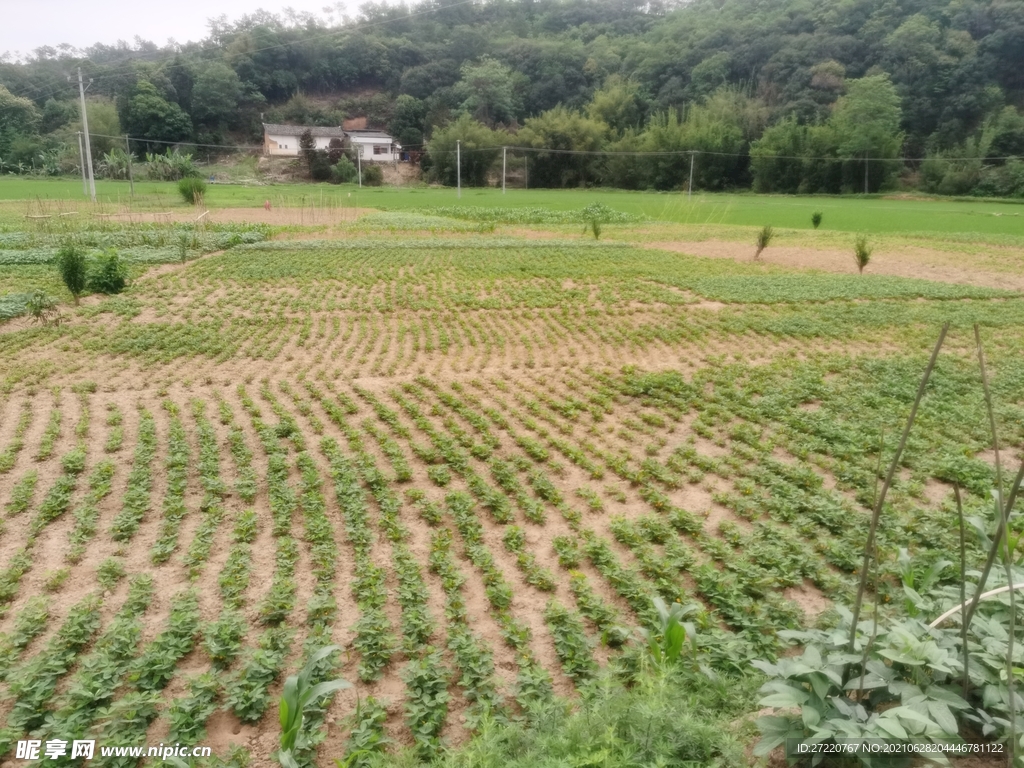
359, 163
865, 173
503, 151
81, 163
526, 171
85, 130
131, 178
689, 190
458, 167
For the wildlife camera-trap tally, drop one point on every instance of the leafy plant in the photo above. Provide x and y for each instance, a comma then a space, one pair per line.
898, 689
54, 580
816, 219
109, 572
109, 273
426, 704
42, 309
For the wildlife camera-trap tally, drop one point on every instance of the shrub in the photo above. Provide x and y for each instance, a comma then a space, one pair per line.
373, 175
861, 253
319, 166
816, 219
764, 238
192, 190
343, 171
71, 264
109, 274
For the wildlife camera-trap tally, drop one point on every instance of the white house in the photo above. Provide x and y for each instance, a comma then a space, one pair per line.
284, 139
372, 146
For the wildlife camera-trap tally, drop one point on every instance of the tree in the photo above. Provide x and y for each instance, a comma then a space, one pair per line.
335, 150
215, 95
307, 149
562, 129
619, 105
710, 75
319, 165
150, 116
71, 264
18, 119
867, 123
408, 120
104, 128
718, 142
490, 92
481, 147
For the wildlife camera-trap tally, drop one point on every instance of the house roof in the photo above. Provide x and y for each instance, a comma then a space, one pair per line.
369, 134
297, 130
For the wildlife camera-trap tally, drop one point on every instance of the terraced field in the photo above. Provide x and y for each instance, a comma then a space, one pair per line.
470, 459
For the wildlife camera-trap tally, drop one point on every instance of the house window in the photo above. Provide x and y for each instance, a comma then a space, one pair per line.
379, 149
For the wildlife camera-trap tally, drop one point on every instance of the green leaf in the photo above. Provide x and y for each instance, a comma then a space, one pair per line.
810, 715
330, 686
870, 681
791, 697
891, 725
941, 714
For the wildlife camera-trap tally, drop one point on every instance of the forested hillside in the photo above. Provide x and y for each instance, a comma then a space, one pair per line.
783, 95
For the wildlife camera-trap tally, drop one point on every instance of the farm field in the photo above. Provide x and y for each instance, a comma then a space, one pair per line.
877, 214
470, 450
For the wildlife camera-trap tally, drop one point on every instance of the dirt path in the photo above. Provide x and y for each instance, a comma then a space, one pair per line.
910, 262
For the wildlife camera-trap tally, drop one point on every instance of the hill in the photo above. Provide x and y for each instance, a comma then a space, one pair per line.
744, 79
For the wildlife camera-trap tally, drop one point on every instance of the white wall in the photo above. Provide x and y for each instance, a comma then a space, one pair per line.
289, 145
286, 145
365, 147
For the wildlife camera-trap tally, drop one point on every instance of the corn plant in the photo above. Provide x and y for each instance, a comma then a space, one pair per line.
669, 643
299, 693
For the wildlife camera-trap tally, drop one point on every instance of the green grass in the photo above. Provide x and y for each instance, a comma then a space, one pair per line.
850, 214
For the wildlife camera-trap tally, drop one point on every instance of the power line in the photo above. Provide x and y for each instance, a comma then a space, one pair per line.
180, 143
588, 152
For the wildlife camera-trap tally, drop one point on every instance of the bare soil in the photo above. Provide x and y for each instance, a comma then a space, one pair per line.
909, 262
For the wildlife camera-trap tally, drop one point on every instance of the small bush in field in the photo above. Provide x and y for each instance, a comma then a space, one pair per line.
192, 190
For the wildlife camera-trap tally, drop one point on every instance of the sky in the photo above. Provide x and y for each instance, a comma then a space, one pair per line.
27, 25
